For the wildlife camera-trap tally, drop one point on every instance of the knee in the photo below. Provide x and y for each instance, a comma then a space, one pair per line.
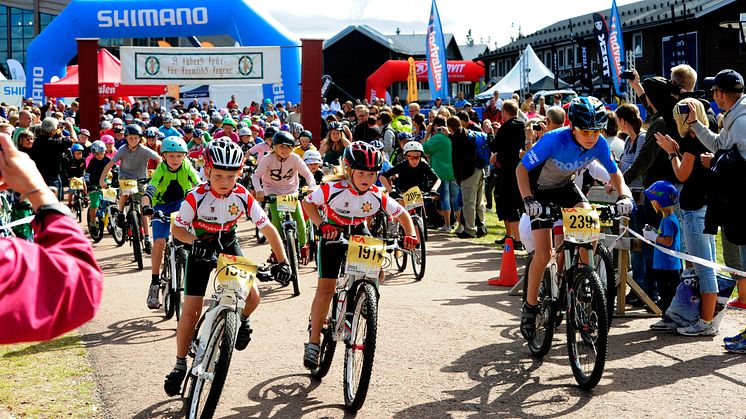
159, 243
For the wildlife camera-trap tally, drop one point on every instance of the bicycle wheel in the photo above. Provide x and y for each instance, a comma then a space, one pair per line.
400, 255
545, 320
419, 254
133, 224
166, 289
361, 347
290, 251
206, 387
423, 217
78, 209
96, 230
117, 231
328, 346
587, 329
604, 265
178, 296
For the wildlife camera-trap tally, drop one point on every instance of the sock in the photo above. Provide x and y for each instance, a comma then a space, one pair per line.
707, 322
244, 318
155, 279
180, 363
147, 238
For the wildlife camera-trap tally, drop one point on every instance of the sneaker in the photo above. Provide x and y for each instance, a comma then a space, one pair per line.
148, 248
736, 347
699, 328
737, 338
459, 229
664, 324
481, 231
311, 356
519, 246
465, 235
528, 320
444, 229
153, 291
736, 304
172, 385
243, 337
501, 241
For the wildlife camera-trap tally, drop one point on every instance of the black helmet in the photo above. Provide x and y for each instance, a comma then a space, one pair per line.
133, 129
362, 156
306, 133
270, 132
283, 137
588, 113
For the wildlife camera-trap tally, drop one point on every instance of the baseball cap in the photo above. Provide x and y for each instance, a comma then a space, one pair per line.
727, 79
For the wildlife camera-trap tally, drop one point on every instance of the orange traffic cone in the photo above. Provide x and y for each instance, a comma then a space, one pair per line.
508, 270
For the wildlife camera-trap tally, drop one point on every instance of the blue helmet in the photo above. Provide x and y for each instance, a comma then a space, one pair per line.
588, 113
76, 147
664, 192
173, 144
404, 136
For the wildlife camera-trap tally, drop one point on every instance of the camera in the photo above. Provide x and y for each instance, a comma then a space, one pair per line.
684, 109
441, 129
536, 127
627, 75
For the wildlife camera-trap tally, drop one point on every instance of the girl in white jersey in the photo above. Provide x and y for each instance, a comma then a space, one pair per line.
346, 202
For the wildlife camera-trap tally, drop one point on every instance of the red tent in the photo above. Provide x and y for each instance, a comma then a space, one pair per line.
109, 81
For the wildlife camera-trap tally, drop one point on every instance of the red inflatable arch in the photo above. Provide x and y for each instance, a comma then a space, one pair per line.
397, 70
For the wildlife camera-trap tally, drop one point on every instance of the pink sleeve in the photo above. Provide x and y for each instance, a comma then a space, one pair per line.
49, 287
256, 179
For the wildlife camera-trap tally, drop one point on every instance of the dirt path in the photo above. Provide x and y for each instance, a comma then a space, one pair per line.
448, 346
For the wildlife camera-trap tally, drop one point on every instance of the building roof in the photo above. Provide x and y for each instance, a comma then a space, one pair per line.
472, 51
637, 15
414, 44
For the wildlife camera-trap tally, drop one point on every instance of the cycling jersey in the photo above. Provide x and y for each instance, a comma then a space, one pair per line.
94, 170
167, 186
274, 176
557, 156
134, 162
205, 212
344, 205
260, 150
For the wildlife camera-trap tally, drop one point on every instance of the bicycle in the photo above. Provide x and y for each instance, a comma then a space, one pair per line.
286, 205
5, 214
575, 288
414, 203
132, 228
78, 197
172, 270
353, 317
105, 217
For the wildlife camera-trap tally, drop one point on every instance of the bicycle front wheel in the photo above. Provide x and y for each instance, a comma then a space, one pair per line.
207, 385
400, 255
178, 296
361, 347
418, 254
117, 231
290, 250
78, 208
587, 328
96, 229
133, 223
166, 288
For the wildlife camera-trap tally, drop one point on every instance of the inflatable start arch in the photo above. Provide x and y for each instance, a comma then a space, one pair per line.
49, 53
398, 70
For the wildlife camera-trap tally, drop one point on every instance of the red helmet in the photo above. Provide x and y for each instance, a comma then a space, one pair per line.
363, 156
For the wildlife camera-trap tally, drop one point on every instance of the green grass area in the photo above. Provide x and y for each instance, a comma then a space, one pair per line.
495, 229
47, 379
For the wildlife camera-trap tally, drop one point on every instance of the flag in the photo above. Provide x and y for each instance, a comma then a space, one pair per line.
16, 70
326, 82
616, 48
586, 77
437, 68
412, 82
601, 32
555, 67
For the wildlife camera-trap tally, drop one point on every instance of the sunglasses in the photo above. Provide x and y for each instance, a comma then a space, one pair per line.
588, 132
413, 157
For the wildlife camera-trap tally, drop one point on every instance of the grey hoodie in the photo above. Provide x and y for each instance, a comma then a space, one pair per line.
733, 131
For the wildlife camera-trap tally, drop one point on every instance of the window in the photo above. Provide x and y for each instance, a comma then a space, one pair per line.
637, 44
561, 59
501, 68
493, 69
570, 62
548, 59
21, 24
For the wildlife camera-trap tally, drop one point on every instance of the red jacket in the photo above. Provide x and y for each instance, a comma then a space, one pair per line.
49, 287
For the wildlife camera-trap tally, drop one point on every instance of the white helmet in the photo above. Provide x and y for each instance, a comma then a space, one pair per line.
117, 121
312, 156
224, 155
243, 131
413, 146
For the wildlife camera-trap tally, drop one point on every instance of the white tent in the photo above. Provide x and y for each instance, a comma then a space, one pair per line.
512, 81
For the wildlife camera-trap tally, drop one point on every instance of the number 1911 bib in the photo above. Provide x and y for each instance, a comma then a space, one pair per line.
364, 256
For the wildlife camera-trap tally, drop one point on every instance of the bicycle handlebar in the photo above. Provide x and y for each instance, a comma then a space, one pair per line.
553, 212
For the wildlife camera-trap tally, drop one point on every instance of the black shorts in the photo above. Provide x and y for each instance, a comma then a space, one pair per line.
566, 196
198, 271
509, 204
331, 256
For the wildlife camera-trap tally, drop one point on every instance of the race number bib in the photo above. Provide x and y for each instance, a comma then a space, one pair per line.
128, 186
364, 256
109, 194
76, 183
580, 224
173, 217
235, 273
413, 198
287, 203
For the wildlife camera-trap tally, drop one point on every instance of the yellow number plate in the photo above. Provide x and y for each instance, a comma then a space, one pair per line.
235, 273
413, 198
580, 224
109, 194
128, 186
287, 202
76, 183
173, 216
364, 256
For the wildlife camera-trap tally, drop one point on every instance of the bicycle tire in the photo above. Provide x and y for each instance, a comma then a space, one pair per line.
588, 291
166, 290
604, 265
328, 346
179, 291
365, 310
78, 209
116, 231
400, 256
222, 338
134, 225
545, 321
290, 251
96, 231
423, 217
419, 255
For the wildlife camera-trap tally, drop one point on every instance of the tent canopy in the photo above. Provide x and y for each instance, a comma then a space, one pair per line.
109, 81
540, 77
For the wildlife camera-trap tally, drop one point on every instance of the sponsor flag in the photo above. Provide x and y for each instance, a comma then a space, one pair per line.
412, 82
16, 70
616, 48
437, 69
555, 67
586, 75
601, 32
326, 82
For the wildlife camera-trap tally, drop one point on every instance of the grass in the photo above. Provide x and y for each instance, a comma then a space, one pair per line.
495, 229
47, 379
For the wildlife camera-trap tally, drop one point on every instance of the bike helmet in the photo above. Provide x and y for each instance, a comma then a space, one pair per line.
283, 137
305, 133
312, 156
285, 127
223, 155
335, 126
297, 129
362, 156
133, 129
245, 131
117, 121
85, 132
107, 139
270, 132
105, 124
587, 113
173, 144
152, 132
98, 147
413, 146
229, 121
404, 136
664, 192
378, 145
76, 147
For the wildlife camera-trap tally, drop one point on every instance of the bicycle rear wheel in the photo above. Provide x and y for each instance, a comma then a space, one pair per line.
587, 328
328, 346
400, 256
133, 223
418, 254
545, 320
96, 230
179, 291
604, 265
361, 348
206, 387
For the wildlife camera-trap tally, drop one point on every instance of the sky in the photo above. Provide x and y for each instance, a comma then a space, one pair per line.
494, 24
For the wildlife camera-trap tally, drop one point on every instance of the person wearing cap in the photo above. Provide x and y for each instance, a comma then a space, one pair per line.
473, 116
246, 139
229, 130
400, 122
312, 159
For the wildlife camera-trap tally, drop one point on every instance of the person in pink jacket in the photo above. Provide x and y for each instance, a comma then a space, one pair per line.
51, 286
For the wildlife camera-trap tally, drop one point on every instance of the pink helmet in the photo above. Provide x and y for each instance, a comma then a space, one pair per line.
107, 139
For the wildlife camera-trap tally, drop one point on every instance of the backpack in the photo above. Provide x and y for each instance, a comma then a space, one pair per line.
483, 152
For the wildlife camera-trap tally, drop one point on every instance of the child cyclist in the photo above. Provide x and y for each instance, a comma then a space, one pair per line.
207, 219
75, 168
277, 174
545, 176
346, 202
93, 175
171, 181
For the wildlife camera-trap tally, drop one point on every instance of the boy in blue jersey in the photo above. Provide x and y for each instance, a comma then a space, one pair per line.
545, 175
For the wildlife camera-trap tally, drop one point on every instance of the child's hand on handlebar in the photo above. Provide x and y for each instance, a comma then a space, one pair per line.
410, 242
328, 231
260, 196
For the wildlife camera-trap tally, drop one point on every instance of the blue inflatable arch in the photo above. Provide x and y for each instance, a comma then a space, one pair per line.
51, 51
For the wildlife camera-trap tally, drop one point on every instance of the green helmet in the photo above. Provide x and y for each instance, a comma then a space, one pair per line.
173, 144
229, 121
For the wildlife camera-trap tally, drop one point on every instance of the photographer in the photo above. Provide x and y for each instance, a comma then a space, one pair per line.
48, 151
535, 130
